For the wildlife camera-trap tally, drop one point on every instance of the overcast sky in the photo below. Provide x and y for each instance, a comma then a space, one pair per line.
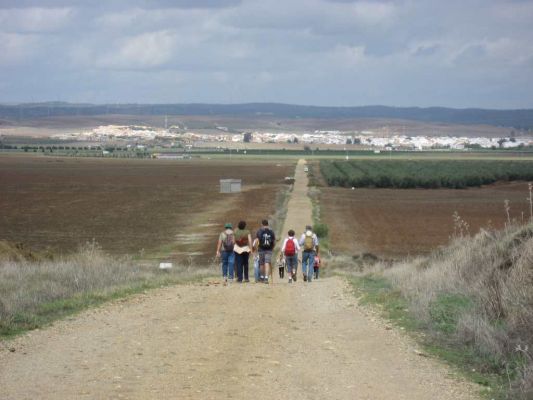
456, 53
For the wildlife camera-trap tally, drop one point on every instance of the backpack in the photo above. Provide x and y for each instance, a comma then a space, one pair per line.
228, 242
309, 243
266, 239
290, 248
243, 239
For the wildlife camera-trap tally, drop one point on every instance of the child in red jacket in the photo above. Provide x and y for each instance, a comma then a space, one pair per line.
316, 266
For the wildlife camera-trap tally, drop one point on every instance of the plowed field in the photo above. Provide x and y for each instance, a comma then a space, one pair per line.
399, 222
131, 206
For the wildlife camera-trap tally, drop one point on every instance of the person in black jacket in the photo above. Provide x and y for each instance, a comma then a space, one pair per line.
266, 239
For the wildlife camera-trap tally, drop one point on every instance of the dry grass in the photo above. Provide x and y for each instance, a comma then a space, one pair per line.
474, 296
36, 292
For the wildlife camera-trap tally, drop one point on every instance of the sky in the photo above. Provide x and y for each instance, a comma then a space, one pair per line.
454, 53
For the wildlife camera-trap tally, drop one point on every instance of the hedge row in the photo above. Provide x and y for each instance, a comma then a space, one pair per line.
423, 173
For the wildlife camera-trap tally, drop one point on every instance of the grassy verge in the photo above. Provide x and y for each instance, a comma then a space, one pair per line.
36, 293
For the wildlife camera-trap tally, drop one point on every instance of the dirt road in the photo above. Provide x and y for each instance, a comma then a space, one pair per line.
250, 341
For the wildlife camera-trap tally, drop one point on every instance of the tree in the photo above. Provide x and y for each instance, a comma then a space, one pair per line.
349, 141
247, 137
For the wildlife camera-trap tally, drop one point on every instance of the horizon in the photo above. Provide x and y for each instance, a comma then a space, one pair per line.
45, 102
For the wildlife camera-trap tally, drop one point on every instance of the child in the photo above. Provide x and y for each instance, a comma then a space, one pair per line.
316, 266
256, 268
256, 260
281, 266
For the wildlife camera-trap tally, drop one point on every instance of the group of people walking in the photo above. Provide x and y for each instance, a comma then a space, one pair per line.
234, 248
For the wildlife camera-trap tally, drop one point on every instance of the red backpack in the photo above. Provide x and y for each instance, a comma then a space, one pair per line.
290, 248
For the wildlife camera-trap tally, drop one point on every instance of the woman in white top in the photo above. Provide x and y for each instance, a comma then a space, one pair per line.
290, 250
242, 249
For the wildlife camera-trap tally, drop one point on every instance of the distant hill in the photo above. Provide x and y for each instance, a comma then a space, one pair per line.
520, 119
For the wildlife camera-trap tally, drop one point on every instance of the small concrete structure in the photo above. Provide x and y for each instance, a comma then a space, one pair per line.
172, 156
230, 185
165, 265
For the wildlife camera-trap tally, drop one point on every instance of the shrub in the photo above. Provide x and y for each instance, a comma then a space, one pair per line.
321, 230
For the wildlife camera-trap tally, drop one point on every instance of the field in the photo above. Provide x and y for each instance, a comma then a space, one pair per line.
149, 208
394, 223
404, 174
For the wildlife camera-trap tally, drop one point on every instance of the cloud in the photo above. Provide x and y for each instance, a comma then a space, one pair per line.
34, 19
305, 51
17, 48
425, 50
121, 3
147, 50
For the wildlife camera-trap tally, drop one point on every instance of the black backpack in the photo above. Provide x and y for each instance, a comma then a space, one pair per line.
266, 239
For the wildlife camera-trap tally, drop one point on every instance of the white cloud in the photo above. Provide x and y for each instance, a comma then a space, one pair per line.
34, 19
147, 50
354, 52
17, 48
372, 13
350, 56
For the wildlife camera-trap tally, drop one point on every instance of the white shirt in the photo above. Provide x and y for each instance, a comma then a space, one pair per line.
315, 240
296, 245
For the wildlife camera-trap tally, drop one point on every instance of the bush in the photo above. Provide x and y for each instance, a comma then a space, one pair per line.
321, 230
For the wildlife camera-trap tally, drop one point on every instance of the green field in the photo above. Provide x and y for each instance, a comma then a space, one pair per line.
423, 173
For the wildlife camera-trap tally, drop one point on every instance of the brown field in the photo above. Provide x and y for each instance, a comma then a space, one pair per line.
401, 222
160, 209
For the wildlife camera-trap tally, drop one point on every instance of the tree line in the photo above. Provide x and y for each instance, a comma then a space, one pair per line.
429, 174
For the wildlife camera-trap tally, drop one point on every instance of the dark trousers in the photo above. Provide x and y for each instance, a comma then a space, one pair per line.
241, 264
316, 269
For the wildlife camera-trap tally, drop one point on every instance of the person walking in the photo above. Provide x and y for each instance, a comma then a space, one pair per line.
310, 246
266, 240
281, 266
242, 249
225, 246
316, 266
255, 249
290, 250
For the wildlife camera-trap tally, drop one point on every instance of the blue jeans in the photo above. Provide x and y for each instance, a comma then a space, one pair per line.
308, 261
241, 262
292, 264
256, 268
228, 262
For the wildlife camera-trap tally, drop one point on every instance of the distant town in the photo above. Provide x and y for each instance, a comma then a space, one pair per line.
366, 139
